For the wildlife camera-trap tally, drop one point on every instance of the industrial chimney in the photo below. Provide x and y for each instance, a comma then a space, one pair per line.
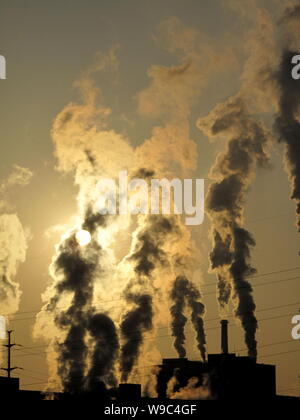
224, 336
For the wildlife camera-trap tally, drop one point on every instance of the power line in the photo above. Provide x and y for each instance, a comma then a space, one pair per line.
35, 383
261, 275
258, 285
270, 344
9, 346
202, 285
35, 372
119, 299
206, 320
32, 377
155, 337
279, 354
292, 388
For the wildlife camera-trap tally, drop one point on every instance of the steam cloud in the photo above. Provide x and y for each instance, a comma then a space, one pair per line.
192, 391
13, 242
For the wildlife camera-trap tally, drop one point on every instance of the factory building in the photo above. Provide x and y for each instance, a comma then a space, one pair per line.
228, 375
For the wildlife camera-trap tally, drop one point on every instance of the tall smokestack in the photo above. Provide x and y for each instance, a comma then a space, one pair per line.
224, 336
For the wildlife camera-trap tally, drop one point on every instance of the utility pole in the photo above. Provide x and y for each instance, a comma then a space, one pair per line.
9, 346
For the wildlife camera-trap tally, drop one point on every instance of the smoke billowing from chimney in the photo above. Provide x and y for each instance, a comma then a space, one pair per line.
178, 319
147, 255
220, 258
76, 269
134, 324
105, 352
287, 122
233, 172
239, 270
87, 149
268, 83
182, 293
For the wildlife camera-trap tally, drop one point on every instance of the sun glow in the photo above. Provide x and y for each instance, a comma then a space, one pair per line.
83, 237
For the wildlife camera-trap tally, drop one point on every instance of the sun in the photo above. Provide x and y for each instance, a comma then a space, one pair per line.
83, 237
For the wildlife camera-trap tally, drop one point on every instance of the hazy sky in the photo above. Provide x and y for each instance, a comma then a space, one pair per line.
47, 46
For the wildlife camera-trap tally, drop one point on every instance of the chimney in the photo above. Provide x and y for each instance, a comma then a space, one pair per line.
224, 336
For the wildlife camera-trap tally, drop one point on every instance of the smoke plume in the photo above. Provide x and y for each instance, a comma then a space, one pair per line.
81, 275
83, 330
287, 122
288, 126
184, 292
147, 255
85, 147
170, 96
103, 332
75, 270
268, 82
13, 242
192, 391
233, 172
178, 319
134, 324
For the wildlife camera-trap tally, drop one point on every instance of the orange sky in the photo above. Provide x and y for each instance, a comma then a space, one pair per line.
47, 48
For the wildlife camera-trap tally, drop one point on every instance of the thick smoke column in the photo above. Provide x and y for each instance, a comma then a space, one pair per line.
72, 352
147, 255
198, 311
134, 324
233, 170
178, 319
269, 85
77, 269
220, 258
85, 147
170, 151
184, 291
104, 334
287, 123
239, 270
70, 320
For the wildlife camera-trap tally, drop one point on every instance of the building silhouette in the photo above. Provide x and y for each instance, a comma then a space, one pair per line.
226, 375
229, 375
